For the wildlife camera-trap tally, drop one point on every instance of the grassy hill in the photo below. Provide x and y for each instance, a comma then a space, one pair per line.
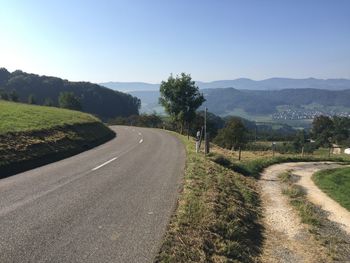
95, 99
17, 117
35, 135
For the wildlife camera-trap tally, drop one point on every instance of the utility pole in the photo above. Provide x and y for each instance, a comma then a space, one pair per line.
302, 151
206, 143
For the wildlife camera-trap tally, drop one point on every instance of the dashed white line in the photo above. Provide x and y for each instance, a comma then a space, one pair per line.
141, 141
98, 167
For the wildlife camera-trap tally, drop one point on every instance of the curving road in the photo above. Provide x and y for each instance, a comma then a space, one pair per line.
108, 204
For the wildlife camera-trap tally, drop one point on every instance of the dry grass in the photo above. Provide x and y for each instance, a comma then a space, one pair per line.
217, 215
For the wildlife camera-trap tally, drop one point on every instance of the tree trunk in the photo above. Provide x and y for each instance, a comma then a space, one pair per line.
188, 130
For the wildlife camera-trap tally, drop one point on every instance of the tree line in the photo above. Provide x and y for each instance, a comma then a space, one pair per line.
51, 91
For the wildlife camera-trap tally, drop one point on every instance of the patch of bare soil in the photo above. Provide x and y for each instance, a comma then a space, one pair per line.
286, 238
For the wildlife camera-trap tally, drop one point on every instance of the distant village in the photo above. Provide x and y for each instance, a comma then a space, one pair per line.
303, 114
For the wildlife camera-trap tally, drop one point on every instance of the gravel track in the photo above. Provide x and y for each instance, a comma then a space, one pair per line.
286, 238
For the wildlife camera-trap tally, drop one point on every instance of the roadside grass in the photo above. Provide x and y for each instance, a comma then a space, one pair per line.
18, 117
336, 184
218, 213
31, 136
217, 218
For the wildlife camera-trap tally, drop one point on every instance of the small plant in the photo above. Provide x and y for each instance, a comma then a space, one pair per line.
285, 177
293, 191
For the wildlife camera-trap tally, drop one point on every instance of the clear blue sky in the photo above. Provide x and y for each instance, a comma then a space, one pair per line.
146, 40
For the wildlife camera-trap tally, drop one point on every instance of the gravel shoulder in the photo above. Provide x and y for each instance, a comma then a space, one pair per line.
286, 238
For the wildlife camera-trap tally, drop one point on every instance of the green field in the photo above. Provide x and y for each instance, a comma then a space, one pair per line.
17, 117
335, 183
252, 117
41, 135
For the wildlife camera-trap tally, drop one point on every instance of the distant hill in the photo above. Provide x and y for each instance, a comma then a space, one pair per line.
95, 99
283, 104
278, 84
244, 84
223, 101
130, 86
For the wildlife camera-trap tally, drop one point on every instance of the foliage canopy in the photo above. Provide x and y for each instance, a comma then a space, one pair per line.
181, 98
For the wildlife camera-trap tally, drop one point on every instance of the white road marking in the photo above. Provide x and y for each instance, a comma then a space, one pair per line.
141, 141
98, 167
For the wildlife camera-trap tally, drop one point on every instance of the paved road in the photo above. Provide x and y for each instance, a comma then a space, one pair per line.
109, 204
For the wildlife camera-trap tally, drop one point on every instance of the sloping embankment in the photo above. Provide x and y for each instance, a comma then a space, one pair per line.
20, 151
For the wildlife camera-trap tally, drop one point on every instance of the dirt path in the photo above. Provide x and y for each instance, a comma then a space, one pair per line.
286, 238
337, 213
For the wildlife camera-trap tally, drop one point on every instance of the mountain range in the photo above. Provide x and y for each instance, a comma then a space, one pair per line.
244, 84
264, 105
282, 98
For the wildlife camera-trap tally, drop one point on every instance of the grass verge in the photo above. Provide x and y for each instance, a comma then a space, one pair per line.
23, 148
336, 184
217, 215
19, 117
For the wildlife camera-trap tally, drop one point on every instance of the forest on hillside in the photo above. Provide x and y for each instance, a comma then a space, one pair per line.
95, 99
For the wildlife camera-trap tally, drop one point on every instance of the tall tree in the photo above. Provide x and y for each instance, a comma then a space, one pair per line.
181, 98
14, 96
299, 140
322, 130
69, 101
31, 99
341, 129
214, 123
48, 102
233, 135
3, 95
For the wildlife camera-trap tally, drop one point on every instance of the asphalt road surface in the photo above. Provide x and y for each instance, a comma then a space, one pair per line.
108, 204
